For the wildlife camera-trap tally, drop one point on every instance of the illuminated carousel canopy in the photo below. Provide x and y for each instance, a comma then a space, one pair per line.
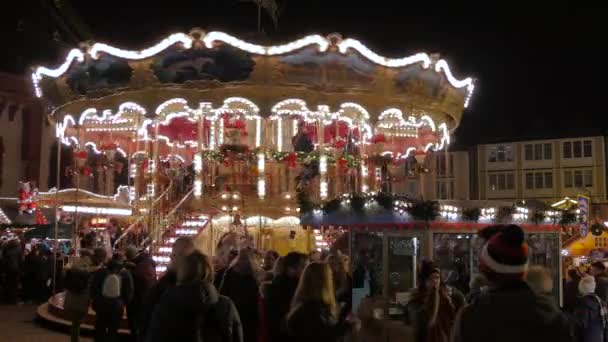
210, 67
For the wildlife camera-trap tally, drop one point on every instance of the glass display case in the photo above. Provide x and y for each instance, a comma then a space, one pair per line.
367, 265
458, 256
403, 255
455, 256
545, 250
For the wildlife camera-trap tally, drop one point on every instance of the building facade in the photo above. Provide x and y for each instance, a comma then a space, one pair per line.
446, 177
25, 136
545, 170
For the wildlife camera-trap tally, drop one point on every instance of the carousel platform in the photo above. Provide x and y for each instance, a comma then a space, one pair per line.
53, 313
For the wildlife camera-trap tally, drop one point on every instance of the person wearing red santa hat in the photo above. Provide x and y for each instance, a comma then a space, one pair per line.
509, 310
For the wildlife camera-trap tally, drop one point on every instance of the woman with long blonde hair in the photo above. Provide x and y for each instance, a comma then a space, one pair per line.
314, 313
342, 283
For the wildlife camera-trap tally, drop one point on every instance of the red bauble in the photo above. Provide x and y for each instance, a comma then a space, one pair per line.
342, 164
291, 160
340, 144
81, 155
378, 138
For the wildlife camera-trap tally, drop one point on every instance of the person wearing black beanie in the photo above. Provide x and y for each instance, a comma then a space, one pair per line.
510, 310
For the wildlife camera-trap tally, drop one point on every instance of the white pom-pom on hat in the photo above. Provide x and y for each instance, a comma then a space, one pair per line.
586, 285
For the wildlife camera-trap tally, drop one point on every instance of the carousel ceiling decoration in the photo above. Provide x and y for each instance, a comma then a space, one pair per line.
401, 137
210, 39
178, 124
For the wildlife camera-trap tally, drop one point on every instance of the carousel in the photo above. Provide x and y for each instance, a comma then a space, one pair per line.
228, 140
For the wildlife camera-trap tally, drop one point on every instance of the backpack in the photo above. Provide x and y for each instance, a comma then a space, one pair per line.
111, 286
603, 311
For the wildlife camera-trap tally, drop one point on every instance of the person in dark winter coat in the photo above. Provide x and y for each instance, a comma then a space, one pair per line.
241, 284
32, 264
314, 313
598, 271
12, 259
183, 309
182, 247
279, 294
571, 291
77, 298
509, 311
109, 300
433, 306
223, 323
143, 271
588, 313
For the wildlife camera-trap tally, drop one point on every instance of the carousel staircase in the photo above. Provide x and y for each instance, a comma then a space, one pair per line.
191, 226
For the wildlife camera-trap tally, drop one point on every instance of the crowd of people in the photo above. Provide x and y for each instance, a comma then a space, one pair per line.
248, 297
241, 299
26, 270
509, 300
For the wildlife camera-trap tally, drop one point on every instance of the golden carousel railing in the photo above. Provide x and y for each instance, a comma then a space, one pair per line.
153, 210
170, 218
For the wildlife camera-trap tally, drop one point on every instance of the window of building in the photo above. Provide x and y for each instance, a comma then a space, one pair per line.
567, 150
588, 178
530, 180
539, 180
587, 147
445, 190
501, 153
501, 181
442, 168
548, 180
578, 149
529, 151
412, 188
568, 179
548, 151
578, 178
538, 151
510, 181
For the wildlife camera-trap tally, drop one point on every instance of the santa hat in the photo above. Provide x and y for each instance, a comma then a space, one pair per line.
586, 285
505, 256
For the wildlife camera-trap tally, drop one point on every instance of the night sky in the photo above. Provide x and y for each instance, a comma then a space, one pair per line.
538, 67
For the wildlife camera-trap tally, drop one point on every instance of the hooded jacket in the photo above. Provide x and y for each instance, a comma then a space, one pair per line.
512, 312
589, 321
180, 313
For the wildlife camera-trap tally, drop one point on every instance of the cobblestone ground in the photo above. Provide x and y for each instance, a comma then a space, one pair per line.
17, 325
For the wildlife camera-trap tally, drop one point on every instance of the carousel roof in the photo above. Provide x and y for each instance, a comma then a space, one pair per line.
215, 65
